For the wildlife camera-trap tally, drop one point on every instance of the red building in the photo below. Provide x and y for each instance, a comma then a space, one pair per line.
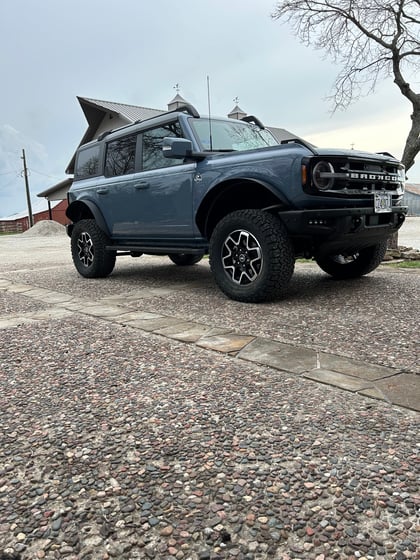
18, 223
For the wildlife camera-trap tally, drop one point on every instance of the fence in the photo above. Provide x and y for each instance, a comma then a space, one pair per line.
12, 227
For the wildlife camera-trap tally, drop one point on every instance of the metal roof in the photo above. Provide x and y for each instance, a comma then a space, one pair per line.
130, 112
413, 188
281, 134
62, 185
37, 206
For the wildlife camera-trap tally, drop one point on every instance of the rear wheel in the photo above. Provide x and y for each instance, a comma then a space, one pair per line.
251, 256
185, 259
353, 265
88, 249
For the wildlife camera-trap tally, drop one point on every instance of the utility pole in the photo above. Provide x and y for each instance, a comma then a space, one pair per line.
28, 196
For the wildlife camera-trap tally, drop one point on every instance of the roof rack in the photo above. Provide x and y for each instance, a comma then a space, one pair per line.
102, 136
186, 108
254, 120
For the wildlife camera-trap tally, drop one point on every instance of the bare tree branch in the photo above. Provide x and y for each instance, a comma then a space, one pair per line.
370, 39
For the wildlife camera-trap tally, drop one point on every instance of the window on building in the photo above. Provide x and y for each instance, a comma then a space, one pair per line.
87, 164
153, 157
120, 156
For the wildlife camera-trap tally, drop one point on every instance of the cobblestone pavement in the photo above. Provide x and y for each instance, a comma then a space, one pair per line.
134, 426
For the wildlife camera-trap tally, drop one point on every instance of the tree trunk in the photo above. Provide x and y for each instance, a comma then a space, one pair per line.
412, 145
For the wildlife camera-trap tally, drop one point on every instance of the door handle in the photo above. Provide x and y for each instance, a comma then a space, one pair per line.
141, 185
102, 190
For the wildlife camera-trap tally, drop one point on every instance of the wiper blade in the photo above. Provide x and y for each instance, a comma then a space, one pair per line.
222, 150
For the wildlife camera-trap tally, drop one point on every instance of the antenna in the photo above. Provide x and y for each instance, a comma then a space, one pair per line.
208, 102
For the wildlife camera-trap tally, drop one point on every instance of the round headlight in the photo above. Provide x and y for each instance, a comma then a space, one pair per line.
323, 175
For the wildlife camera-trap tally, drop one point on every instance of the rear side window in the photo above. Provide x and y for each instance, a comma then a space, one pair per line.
120, 156
87, 164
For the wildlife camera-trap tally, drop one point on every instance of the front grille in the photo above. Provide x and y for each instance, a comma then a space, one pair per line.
356, 177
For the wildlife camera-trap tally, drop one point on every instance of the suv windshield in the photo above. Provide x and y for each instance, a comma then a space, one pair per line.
228, 136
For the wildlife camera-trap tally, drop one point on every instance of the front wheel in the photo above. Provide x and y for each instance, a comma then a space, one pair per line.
353, 265
251, 256
185, 259
88, 249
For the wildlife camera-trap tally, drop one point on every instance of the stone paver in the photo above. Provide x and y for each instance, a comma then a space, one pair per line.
191, 332
153, 324
354, 367
225, 343
279, 355
402, 390
338, 379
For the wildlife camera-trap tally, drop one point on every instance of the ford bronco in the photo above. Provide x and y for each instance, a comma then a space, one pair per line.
184, 185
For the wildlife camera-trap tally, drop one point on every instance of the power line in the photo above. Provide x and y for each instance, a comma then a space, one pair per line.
44, 174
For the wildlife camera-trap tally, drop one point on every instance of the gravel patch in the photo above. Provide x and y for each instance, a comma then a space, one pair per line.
33, 252
45, 228
128, 277
116, 444
12, 304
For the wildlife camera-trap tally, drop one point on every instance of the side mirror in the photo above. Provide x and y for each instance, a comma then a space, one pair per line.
178, 148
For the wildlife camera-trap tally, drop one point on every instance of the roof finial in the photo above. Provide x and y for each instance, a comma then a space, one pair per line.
236, 100
177, 88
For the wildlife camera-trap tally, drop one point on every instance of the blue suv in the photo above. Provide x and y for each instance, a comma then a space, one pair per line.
183, 185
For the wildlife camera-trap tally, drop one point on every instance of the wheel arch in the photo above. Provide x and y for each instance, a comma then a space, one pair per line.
235, 194
85, 210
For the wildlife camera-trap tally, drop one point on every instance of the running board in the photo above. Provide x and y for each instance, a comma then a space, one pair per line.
159, 250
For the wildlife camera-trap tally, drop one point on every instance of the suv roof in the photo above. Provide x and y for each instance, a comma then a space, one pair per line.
186, 109
189, 109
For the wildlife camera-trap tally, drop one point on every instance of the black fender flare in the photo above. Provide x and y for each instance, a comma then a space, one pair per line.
216, 192
77, 211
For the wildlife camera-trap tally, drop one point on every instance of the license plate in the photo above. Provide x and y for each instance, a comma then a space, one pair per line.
383, 202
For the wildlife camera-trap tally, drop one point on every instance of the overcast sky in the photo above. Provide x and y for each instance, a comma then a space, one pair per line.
135, 51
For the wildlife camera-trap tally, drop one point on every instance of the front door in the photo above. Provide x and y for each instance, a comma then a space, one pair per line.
149, 198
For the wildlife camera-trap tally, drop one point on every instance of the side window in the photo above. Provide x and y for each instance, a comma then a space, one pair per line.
120, 156
87, 164
153, 157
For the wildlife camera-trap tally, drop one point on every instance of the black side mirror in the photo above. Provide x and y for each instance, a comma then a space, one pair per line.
178, 148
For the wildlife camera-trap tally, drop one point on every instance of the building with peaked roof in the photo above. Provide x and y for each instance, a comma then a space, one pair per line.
237, 113
176, 102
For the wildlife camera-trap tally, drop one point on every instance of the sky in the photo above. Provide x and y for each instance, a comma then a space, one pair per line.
136, 51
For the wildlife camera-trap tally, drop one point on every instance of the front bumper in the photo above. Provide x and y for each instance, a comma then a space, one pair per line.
334, 230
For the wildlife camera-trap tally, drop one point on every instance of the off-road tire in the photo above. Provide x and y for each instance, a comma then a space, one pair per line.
362, 262
88, 249
251, 256
185, 259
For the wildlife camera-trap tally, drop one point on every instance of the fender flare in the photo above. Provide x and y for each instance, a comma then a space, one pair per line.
216, 192
76, 213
